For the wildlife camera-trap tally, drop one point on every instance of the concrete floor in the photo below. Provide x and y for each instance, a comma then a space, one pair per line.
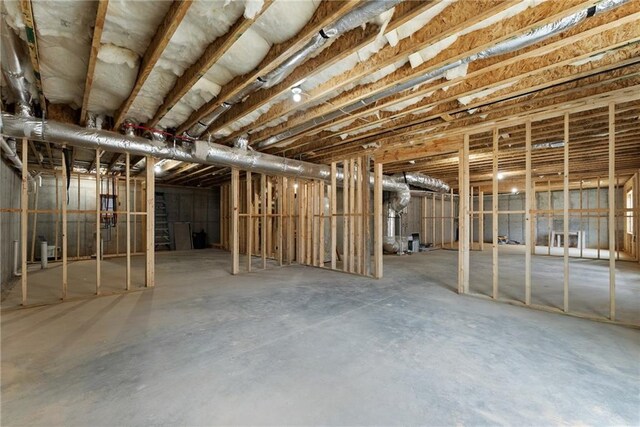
299, 345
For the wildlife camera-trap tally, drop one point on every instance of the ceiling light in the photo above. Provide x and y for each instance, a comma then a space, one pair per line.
514, 190
500, 175
412, 162
297, 94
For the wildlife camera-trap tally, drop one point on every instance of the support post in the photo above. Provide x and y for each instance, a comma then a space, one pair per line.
64, 228
235, 211
127, 190
249, 221
150, 230
481, 219
565, 212
334, 227
24, 208
463, 253
377, 221
494, 215
263, 225
612, 211
527, 215
98, 237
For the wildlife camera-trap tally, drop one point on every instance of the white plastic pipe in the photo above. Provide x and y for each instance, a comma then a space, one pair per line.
44, 256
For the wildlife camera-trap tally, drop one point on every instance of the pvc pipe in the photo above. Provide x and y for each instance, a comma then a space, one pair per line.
44, 257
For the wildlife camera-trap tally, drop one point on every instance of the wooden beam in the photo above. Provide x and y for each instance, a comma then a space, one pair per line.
235, 211
24, 215
127, 192
528, 237
327, 12
377, 221
150, 263
211, 55
101, 15
32, 42
98, 228
159, 42
342, 47
494, 216
566, 213
612, 211
64, 228
249, 220
333, 218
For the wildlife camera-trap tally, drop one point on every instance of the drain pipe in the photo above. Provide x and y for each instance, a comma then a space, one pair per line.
358, 16
16, 255
201, 152
533, 36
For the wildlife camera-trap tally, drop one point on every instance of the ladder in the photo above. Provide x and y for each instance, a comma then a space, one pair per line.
162, 237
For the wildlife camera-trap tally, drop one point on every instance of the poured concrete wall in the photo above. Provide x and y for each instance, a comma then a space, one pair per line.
197, 206
9, 222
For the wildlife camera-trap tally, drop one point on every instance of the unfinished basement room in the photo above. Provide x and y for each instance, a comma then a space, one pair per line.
320, 212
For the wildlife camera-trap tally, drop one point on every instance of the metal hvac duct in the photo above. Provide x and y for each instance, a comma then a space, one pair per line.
519, 42
358, 16
15, 68
203, 152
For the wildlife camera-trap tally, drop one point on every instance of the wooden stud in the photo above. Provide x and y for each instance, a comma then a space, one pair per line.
481, 219
64, 228
150, 227
358, 217
527, 216
565, 218
423, 218
377, 221
263, 222
433, 219
34, 225
24, 207
451, 219
463, 253
612, 211
352, 219
494, 217
57, 223
442, 219
235, 212
98, 215
598, 216
366, 216
345, 215
333, 219
127, 190
280, 200
549, 218
471, 218
78, 223
249, 221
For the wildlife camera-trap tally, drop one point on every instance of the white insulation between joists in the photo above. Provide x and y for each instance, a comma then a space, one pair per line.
64, 32
128, 29
418, 58
279, 23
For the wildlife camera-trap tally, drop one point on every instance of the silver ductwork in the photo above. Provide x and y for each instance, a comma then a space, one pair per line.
11, 153
515, 43
359, 16
203, 152
15, 69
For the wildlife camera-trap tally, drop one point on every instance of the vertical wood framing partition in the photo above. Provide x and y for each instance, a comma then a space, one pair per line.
98, 237
150, 223
377, 222
612, 211
527, 216
494, 216
127, 162
249, 221
64, 228
24, 206
235, 210
334, 219
464, 242
565, 214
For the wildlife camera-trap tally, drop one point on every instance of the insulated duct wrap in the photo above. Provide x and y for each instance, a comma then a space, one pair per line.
203, 152
529, 38
359, 16
14, 68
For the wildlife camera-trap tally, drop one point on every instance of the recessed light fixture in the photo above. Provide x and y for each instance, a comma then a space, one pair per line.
297, 94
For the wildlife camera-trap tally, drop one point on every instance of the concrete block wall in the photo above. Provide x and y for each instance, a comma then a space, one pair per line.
9, 222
